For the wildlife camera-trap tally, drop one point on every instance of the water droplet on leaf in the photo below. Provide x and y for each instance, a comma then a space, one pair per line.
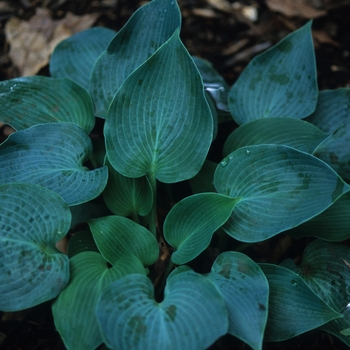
294, 283
224, 162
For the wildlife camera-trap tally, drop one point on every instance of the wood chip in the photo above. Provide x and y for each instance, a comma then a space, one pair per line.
296, 8
33, 41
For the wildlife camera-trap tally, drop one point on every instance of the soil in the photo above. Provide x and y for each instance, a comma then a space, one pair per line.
229, 34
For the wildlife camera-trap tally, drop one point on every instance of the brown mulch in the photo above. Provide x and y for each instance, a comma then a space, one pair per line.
228, 33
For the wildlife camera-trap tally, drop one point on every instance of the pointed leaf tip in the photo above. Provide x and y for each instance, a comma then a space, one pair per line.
162, 132
281, 82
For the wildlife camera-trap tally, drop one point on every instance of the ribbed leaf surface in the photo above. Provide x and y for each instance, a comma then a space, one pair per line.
147, 29
159, 123
281, 82
291, 132
52, 155
191, 223
32, 270
246, 291
293, 307
74, 309
128, 237
35, 100
279, 188
325, 268
75, 56
191, 316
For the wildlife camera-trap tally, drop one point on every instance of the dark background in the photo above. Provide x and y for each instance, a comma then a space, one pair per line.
229, 34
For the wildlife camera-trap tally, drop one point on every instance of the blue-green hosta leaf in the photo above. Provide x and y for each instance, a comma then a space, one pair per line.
32, 220
279, 188
214, 113
291, 132
332, 225
325, 268
191, 316
126, 196
213, 82
333, 112
35, 100
148, 28
81, 241
281, 82
117, 237
245, 290
75, 56
293, 307
52, 155
191, 223
74, 309
159, 122
203, 181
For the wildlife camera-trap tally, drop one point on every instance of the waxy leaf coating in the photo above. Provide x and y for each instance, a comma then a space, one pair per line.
75, 56
128, 237
32, 220
245, 290
293, 307
326, 270
52, 155
74, 309
147, 29
286, 131
191, 223
159, 123
280, 82
29, 101
191, 316
279, 188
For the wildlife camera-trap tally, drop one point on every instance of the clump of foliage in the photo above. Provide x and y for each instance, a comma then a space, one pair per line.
128, 278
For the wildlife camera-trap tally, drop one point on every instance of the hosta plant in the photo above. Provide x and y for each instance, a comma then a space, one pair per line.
114, 151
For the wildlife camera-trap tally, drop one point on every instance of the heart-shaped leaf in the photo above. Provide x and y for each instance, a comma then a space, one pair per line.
281, 82
32, 270
291, 132
74, 309
279, 188
332, 113
332, 225
191, 223
75, 56
147, 29
245, 290
325, 268
52, 155
126, 196
162, 131
117, 237
293, 307
35, 100
191, 316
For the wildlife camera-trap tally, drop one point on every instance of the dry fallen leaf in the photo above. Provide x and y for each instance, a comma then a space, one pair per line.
32, 42
295, 8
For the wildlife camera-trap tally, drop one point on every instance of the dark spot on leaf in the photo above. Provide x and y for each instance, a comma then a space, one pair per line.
225, 271
285, 46
281, 79
262, 307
